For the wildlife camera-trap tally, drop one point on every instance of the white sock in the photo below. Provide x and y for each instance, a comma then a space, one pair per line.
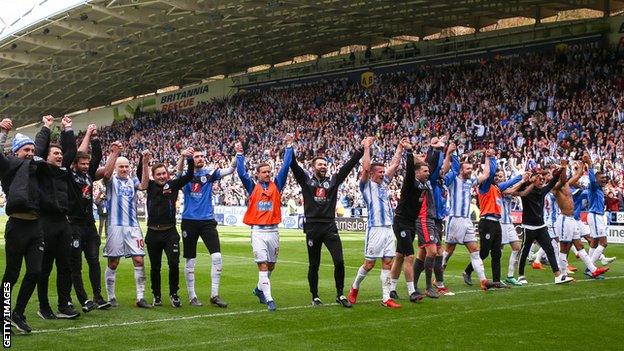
361, 274
597, 253
513, 261
563, 263
410, 288
538, 256
574, 250
215, 273
109, 276
477, 264
588, 262
139, 281
385, 284
591, 252
555, 245
534, 247
265, 285
393, 284
189, 275
602, 257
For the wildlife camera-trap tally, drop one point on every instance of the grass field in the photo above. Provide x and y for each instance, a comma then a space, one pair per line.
584, 315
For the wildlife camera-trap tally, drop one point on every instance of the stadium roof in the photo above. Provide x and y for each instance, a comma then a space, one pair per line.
99, 51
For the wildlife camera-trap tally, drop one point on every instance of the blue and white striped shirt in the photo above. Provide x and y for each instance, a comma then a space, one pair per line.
460, 192
551, 210
506, 212
122, 201
377, 199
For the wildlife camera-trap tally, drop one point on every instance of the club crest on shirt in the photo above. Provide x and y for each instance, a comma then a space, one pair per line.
326, 185
203, 179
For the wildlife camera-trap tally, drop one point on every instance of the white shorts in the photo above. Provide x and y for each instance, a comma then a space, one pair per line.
597, 227
567, 229
582, 228
265, 245
460, 230
509, 234
379, 243
124, 242
551, 232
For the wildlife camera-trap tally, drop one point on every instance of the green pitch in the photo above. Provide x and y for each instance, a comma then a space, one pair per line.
583, 315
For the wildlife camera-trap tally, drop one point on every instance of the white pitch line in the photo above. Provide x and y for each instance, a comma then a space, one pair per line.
236, 313
419, 317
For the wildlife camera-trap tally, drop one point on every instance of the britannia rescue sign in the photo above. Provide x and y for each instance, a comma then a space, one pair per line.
182, 99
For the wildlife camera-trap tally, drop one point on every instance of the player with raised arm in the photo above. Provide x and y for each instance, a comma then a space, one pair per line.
459, 229
85, 170
162, 234
55, 206
596, 210
320, 193
404, 227
263, 214
379, 243
566, 226
198, 221
124, 233
23, 238
490, 193
532, 194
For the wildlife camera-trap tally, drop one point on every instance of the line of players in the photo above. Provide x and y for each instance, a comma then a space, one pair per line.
49, 203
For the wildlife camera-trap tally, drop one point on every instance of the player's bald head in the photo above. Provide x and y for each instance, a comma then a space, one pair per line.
121, 161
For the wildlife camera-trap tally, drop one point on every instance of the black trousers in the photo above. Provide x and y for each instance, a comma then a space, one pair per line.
86, 239
192, 230
168, 241
57, 236
543, 239
23, 241
318, 234
490, 238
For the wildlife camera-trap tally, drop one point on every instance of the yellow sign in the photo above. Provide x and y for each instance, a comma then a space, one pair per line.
367, 79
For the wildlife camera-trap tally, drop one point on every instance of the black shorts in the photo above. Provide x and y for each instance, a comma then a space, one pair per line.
405, 235
192, 230
428, 233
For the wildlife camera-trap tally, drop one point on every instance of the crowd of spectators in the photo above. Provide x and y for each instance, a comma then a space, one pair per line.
523, 106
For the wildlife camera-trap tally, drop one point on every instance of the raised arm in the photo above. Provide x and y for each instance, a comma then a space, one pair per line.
180, 182
513, 189
68, 142
300, 175
282, 175
551, 184
578, 173
485, 175
96, 157
86, 140
146, 156
451, 166
366, 159
42, 139
248, 183
106, 172
485, 186
396, 159
344, 171
5, 127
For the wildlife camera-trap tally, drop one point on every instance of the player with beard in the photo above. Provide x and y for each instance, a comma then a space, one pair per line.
19, 176
320, 193
198, 221
86, 239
